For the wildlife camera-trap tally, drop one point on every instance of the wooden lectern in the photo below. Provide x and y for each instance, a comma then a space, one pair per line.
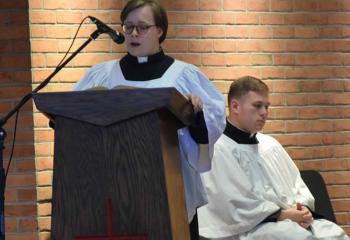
120, 145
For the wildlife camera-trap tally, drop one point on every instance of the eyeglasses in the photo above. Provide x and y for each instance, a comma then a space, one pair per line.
141, 28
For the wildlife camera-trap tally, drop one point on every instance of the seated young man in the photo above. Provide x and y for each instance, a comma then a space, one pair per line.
254, 188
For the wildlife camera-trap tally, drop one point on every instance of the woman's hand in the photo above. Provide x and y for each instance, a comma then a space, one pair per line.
196, 102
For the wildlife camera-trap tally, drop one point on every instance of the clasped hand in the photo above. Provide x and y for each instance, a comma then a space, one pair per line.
303, 216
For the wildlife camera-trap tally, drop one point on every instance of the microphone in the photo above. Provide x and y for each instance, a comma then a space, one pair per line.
116, 36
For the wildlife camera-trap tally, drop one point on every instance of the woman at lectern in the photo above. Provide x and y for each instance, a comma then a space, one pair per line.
145, 25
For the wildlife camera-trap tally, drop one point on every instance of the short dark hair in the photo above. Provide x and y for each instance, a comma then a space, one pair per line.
243, 85
159, 14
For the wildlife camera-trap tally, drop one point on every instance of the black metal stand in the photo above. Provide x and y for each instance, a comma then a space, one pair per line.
3, 121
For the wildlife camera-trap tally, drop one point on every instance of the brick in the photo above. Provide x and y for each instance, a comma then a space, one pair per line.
27, 195
306, 32
336, 164
177, 17
329, 6
341, 124
44, 178
43, 149
44, 209
44, 135
301, 5
271, 18
198, 18
285, 86
322, 152
22, 236
277, 99
222, 17
236, 32
213, 31
317, 165
36, 4
299, 152
283, 32
283, 59
110, 4
281, 5
78, 4
339, 191
188, 32
21, 150
341, 205
44, 223
26, 225
10, 225
185, 5
44, 46
20, 210
283, 113
234, 5
176, 46
44, 236
275, 127
210, 4
200, 45
342, 218
10, 195
295, 19
273, 72
330, 32
44, 163
342, 151
332, 85
52, 4
237, 59
297, 99
217, 73
272, 46
339, 18
20, 180
213, 60
247, 46
224, 46
257, 5
25, 165
69, 16
260, 32
44, 193
246, 18
40, 16
317, 19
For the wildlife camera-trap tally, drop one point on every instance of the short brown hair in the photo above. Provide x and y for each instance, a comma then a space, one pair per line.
243, 85
159, 14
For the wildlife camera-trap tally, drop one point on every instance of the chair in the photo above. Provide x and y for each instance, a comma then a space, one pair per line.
314, 181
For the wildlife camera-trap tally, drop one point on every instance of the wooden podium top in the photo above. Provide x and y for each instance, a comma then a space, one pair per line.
106, 107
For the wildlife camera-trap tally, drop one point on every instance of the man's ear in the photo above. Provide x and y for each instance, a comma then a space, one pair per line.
234, 106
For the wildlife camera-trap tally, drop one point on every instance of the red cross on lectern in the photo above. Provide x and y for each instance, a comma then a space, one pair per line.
110, 235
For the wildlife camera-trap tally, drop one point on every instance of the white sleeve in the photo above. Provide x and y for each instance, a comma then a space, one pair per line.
194, 81
96, 76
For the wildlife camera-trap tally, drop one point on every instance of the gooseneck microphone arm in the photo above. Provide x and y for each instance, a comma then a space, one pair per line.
3, 121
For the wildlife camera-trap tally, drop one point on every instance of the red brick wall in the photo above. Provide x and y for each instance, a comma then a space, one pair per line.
299, 47
15, 82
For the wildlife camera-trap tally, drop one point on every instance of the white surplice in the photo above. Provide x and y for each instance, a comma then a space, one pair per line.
250, 182
186, 78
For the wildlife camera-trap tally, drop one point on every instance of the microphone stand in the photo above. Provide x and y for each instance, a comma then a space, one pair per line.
3, 121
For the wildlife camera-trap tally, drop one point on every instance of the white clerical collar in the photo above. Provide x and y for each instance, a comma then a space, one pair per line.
142, 59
